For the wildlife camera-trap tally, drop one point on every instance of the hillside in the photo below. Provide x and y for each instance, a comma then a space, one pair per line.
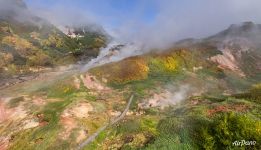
199, 94
189, 95
229, 56
29, 43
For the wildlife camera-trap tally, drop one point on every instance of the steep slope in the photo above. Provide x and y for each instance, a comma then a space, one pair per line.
185, 97
240, 47
200, 94
234, 53
90, 38
27, 42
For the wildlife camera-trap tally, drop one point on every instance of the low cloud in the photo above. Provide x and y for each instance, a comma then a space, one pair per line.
172, 20
62, 13
14, 9
176, 20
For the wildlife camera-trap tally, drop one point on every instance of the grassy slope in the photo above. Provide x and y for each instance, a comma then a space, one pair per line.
176, 65
176, 127
48, 135
200, 122
25, 45
210, 121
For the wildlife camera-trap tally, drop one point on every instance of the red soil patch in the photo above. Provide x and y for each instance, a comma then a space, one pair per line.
39, 101
4, 144
241, 108
227, 61
81, 135
92, 83
217, 109
42, 122
70, 115
5, 113
228, 108
77, 82
194, 102
80, 110
69, 124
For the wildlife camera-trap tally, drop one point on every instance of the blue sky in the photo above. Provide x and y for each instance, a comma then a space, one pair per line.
107, 12
153, 22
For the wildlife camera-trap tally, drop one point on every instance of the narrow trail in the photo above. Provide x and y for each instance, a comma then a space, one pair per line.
94, 135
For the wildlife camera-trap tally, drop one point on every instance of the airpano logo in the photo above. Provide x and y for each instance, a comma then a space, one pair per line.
244, 143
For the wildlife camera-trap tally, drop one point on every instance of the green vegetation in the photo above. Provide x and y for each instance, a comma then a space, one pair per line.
137, 70
147, 71
25, 46
184, 131
213, 119
95, 144
47, 135
226, 128
211, 123
254, 94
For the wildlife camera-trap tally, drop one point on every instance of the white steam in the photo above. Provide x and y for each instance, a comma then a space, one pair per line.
65, 13
172, 95
176, 20
15, 10
112, 54
170, 20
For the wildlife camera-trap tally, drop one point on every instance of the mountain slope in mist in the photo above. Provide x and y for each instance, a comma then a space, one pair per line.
28, 41
198, 94
199, 88
235, 51
239, 48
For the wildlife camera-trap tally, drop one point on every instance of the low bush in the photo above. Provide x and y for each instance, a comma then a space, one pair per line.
254, 94
225, 129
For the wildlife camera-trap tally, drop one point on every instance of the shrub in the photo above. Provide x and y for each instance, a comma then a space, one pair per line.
39, 59
169, 126
61, 89
172, 135
128, 126
225, 129
256, 92
12, 69
20, 44
5, 59
131, 69
163, 65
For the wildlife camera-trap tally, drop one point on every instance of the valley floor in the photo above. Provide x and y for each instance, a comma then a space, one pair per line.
161, 101
65, 109
55, 107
